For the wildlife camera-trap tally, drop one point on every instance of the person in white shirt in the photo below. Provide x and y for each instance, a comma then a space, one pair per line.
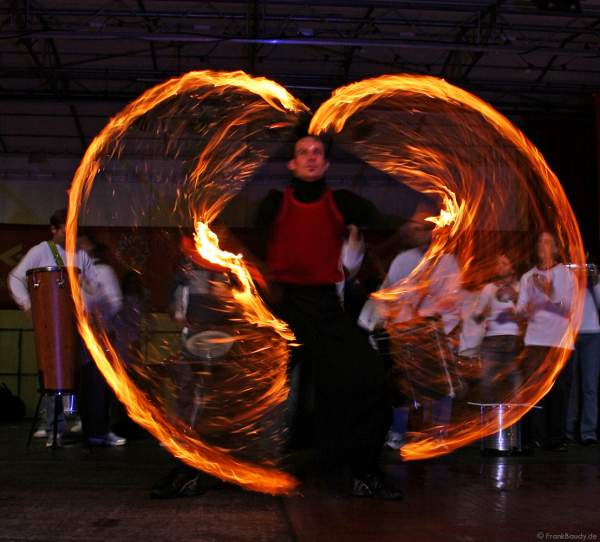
500, 376
546, 293
103, 300
583, 400
472, 331
438, 299
41, 255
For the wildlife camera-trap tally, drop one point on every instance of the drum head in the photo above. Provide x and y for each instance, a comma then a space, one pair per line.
209, 344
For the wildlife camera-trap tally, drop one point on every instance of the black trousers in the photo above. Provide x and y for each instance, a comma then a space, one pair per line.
342, 382
548, 424
95, 401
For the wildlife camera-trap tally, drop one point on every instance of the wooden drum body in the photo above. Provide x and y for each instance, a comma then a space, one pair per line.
56, 340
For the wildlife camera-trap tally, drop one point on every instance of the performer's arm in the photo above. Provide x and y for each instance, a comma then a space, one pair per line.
355, 209
447, 284
562, 293
353, 252
112, 289
483, 305
17, 278
268, 209
89, 278
523, 308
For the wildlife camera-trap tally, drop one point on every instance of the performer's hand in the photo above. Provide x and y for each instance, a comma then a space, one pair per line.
179, 318
355, 238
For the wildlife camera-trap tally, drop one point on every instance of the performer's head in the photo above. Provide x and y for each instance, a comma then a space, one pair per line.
309, 162
58, 221
86, 242
417, 229
546, 249
504, 266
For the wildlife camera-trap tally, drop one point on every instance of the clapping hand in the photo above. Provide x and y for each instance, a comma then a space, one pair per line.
543, 284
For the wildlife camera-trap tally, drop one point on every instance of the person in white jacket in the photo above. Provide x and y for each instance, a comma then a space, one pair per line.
438, 299
546, 294
502, 343
582, 416
103, 301
48, 254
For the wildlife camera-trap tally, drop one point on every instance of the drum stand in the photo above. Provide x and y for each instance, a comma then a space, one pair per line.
58, 395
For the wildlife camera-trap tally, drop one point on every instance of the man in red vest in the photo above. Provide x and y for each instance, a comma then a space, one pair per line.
342, 380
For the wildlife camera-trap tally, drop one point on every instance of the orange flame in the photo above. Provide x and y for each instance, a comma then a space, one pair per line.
207, 244
193, 451
443, 174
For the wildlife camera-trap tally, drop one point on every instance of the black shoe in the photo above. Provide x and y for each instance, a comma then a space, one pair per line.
589, 442
559, 447
373, 486
184, 481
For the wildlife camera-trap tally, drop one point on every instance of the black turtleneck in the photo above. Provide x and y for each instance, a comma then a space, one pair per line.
308, 192
353, 208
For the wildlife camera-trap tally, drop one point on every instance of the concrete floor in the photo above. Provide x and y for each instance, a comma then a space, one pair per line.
70, 494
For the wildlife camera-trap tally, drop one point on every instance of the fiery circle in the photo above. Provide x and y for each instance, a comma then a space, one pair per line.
403, 150
448, 143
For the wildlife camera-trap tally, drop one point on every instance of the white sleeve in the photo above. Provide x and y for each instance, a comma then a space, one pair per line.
484, 299
395, 272
111, 287
564, 290
87, 267
446, 281
371, 314
17, 278
597, 295
352, 257
523, 294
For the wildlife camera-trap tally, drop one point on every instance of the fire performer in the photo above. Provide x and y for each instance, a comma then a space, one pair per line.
306, 225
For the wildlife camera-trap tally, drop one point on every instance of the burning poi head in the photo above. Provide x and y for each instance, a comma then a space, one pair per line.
183, 150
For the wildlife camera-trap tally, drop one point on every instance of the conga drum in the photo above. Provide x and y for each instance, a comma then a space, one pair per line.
56, 342
424, 366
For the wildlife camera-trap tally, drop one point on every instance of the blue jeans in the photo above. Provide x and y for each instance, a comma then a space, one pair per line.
436, 413
400, 421
48, 404
583, 399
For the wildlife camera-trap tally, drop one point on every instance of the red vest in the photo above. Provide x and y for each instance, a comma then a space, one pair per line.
306, 239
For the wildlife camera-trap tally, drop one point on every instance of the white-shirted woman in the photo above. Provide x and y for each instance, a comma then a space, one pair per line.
502, 342
546, 294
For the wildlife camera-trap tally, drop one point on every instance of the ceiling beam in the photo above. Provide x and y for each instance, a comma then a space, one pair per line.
521, 49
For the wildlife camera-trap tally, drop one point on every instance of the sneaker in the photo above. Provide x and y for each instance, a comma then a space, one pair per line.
558, 447
184, 481
373, 486
77, 428
589, 442
394, 441
40, 433
110, 439
50, 440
